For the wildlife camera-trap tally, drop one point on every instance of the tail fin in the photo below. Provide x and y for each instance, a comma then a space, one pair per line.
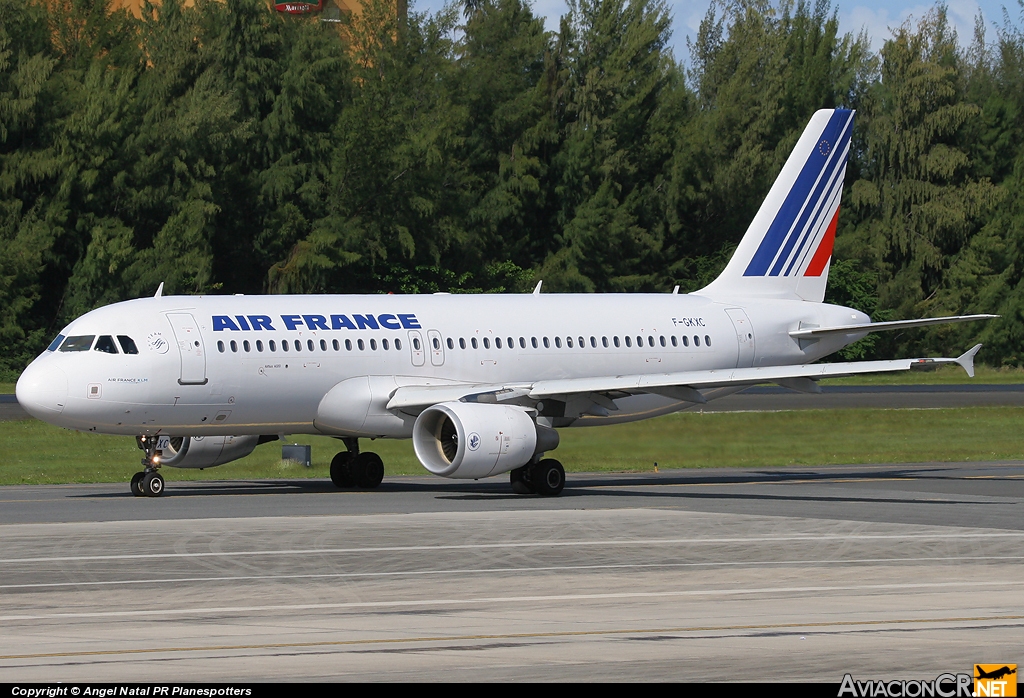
787, 249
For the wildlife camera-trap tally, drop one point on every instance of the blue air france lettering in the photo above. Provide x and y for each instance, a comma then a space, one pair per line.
368, 321
480, 383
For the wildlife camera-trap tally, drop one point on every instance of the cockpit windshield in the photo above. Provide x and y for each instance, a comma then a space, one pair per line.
127, 344
78, 343
55, 343
105, 344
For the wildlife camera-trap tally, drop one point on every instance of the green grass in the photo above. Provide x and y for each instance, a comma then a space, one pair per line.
33, 453
7, 388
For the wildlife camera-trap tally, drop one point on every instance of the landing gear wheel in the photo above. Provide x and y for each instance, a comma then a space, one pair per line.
136, 484
548, 477
341, 470
519, 483
152, 484
370, 470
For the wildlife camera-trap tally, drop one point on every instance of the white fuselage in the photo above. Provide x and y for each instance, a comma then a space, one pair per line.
236, 365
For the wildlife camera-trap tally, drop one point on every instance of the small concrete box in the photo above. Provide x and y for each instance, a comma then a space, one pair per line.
297, 453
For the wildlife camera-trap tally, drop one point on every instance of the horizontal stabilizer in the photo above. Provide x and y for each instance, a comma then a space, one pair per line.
811, 333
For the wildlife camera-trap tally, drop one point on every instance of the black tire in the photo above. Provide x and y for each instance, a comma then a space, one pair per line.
152, 484
136, 484
520, 485
341, 470
371, 470
548, 477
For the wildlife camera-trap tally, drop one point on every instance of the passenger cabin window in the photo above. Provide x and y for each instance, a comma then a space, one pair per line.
234, 345
547, 344
284, 345
78, 343
415, 343
298, 345
273, 345
362, 347
533, 340
348, 345
582, 344
473, 342
384, 343
696, 341
629, 341
451, 344
511, 343
106, 344
615, 341
662, 340
497, 342
707, 340
398, 345
522, 342
246, 346
373, 344
323, 345
259, 345
675, 342
127, 344
335, 344
604, 341
686, 341
220, 346
436, 342
462, 343
487, 343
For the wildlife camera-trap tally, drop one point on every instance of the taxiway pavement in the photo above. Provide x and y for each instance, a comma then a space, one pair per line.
894, 571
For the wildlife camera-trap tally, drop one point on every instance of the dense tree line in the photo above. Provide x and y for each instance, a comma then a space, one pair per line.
223, 148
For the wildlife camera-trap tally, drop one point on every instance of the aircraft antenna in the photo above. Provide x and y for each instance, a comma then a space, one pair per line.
536, 291
159, 290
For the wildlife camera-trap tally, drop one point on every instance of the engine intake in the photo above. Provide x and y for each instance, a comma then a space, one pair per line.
468, 440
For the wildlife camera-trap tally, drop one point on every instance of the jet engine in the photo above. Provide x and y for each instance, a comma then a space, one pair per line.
469, 440
204, 451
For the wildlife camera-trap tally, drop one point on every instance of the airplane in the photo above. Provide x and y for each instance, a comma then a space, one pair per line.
480, 383
996, 674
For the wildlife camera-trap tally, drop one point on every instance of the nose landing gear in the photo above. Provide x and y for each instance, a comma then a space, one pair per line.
149, 482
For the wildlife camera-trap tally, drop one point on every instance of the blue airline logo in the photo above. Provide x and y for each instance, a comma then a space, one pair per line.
385, 321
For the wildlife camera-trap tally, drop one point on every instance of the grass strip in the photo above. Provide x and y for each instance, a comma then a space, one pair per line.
32, 452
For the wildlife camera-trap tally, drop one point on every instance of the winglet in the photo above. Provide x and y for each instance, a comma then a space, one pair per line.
536, 291
966, 360
159, 290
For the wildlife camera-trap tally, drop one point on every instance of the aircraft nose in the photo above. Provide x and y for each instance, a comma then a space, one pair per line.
42, 390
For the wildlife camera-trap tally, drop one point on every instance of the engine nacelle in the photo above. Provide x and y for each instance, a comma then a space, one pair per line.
468, 440
203, 451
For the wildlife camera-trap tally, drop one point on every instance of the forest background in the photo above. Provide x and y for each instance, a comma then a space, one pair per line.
225, 148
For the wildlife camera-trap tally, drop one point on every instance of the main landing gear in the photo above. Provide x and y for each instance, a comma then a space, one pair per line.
354, 469
149, 482
545, 477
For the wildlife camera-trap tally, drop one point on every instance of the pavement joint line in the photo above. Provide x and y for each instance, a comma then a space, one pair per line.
407, 603
525, 544
513, 636
502, 570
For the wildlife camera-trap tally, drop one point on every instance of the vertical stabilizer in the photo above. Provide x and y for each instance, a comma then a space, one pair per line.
787, 249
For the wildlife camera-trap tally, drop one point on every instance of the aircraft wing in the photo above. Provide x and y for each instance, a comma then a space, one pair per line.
812, 332
684, 385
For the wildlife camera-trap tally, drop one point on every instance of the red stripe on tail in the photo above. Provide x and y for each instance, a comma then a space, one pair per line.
824, 251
